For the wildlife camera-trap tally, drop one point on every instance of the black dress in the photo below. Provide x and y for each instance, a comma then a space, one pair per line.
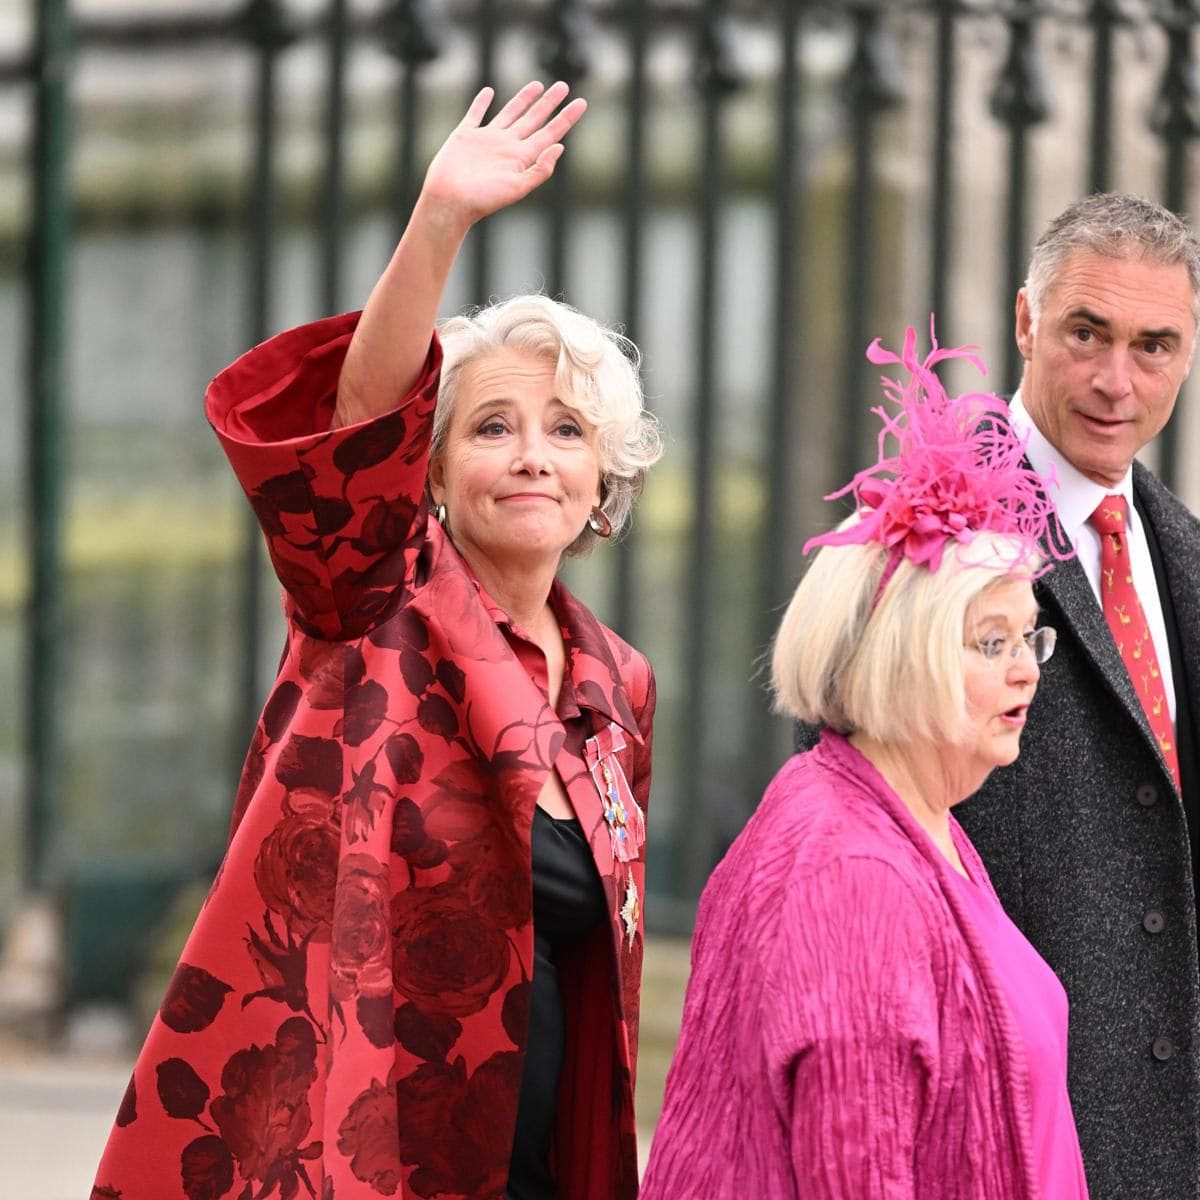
568, 903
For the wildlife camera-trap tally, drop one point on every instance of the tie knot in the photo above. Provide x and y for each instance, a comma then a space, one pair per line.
1110, 514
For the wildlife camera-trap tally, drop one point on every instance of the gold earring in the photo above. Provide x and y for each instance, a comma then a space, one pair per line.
599, 523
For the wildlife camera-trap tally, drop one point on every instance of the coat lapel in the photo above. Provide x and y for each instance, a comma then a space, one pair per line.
1068, 587
611, 730
593, 669
1177, 536
1176, 550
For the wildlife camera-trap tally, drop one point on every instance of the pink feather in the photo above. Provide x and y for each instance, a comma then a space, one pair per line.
958, 468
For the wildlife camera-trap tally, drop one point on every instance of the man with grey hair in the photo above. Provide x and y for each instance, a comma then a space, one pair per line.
1090, 835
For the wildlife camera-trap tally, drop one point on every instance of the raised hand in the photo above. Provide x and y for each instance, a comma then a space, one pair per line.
482, 168
479, 169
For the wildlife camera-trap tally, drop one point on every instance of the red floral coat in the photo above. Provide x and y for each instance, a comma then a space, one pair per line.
350, 1013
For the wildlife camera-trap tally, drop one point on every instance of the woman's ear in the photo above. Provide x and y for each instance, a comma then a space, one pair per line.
437, 480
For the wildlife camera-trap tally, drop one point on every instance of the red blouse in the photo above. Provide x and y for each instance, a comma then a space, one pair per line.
349, 1016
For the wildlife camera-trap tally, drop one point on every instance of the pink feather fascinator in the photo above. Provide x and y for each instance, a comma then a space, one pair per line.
958, 469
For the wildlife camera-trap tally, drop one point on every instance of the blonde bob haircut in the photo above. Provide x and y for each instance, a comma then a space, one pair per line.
893, 671
596, 373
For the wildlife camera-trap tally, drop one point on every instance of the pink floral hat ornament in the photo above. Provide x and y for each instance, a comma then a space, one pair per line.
959, 469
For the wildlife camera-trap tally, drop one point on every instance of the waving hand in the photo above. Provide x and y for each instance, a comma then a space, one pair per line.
483, 167
480, 168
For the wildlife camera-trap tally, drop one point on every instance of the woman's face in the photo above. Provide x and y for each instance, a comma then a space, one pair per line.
1000, 687
519, 472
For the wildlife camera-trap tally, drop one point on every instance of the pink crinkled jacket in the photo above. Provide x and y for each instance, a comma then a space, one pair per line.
844, 1034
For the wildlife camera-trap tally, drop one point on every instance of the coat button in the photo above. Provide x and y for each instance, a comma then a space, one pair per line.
1162, 1048
1153, 921
1147, 794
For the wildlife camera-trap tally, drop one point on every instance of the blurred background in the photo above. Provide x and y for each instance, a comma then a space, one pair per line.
759, 188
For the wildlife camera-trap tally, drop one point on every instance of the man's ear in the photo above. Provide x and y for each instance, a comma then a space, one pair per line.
1024, 326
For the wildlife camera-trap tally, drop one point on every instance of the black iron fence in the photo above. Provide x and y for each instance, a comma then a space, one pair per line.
760, 188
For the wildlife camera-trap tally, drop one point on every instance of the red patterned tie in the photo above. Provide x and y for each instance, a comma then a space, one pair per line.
1130, 630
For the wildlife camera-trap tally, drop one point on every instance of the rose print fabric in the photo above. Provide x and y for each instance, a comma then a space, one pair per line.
350, 1014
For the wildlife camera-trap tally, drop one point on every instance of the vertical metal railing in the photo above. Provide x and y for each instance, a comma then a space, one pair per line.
567, 35
485, 75
715, 80
564, 55
1176, 119
941, 220
333, 187
48, 291
633, 209
872, 85
409, 37
784, 400
264, 26
1106, 16
1020, 100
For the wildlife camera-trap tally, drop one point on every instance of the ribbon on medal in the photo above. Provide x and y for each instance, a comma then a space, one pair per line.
623, 815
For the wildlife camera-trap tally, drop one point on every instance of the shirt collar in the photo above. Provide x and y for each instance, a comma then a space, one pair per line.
1075, 496
591, 678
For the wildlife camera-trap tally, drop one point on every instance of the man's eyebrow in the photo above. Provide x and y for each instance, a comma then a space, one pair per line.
1086, 314
1169, 333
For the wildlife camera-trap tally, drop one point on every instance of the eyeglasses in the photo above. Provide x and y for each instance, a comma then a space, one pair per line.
1039, 643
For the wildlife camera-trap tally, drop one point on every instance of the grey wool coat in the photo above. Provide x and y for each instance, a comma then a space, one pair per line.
1086, 840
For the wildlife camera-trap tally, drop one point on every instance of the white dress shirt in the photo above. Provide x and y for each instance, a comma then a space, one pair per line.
1076, 496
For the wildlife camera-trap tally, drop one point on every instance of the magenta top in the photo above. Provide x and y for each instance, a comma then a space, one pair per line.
846, 1034
1039, 1006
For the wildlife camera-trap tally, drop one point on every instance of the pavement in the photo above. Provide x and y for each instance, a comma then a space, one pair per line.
61, 1081
56, 1110
55, 1114
59, 1091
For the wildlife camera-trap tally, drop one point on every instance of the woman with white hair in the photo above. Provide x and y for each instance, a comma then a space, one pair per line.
863, 1022
417, 973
